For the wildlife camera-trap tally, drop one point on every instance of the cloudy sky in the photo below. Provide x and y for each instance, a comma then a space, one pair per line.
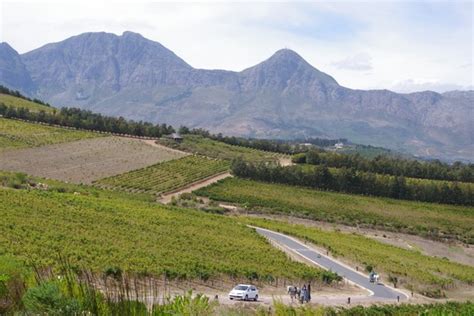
399, 45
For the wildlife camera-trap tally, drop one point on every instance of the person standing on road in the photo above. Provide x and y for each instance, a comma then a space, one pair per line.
292, 290
309, 292
303, 295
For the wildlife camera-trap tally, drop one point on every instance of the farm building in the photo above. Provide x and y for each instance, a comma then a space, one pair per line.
176, 137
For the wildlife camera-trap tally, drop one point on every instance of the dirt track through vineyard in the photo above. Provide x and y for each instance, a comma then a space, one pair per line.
167, 197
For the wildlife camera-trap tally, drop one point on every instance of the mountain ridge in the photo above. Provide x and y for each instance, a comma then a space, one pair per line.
283, 96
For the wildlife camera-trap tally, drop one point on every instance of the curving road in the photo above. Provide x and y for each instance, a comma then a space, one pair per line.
378, 292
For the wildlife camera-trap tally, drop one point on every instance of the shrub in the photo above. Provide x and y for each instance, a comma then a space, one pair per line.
186, 305
47, 298
114, 272
12, 283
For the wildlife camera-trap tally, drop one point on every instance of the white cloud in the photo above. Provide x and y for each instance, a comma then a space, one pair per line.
358, 62
413, 85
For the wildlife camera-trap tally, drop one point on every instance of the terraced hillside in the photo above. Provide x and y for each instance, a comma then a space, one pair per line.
97, 233
166, 176
18, 134
85, 160
426, 219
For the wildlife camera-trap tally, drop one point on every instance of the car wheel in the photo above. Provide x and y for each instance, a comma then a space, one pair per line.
256, 298
246, 298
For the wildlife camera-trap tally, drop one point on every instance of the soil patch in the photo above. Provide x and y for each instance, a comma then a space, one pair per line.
87, 160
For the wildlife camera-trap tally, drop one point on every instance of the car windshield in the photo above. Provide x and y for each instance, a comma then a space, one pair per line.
241, 288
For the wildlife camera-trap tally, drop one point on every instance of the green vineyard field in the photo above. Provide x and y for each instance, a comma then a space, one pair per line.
166, 176
97, 233
18, 134
16, 102
212, 148
426, 219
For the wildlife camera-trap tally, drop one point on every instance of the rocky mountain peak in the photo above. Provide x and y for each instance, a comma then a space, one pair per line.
132, 34
13, 72
286, 69
286, 54
5, 47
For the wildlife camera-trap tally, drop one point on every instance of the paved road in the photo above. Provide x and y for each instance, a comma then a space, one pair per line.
379, 292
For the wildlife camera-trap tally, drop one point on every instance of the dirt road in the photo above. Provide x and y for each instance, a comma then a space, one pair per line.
166, 198
153, 143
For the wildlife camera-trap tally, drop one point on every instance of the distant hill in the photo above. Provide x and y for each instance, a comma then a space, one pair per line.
282, 97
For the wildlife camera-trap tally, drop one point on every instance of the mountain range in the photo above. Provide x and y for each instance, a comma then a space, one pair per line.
281, 97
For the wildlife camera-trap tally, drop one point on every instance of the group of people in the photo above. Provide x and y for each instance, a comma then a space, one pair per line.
303, 295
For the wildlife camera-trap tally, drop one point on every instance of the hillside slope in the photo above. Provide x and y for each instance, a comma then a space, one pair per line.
98, 232
284, 96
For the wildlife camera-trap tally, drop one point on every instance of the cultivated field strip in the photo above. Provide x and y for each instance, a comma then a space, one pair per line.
211, 148
86, 160
437, 221
17, 134
137, 237
166, 176
16, 102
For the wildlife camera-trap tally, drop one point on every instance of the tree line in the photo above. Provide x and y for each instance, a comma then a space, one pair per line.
83, 119
16, 93
289, 147
350, 180
434, 169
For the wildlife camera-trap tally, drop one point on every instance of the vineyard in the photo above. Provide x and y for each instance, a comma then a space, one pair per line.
410, 267
18, 134
16, 102
212, 148
119, 233
18, 180
166, 176
438, 309
425, 219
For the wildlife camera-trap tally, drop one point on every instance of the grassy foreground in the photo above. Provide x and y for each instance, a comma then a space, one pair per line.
18, 134
428, 275
65, 294
166, 176
99, 233
425, 219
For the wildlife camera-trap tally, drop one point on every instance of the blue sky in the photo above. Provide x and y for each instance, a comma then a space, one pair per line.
398, 45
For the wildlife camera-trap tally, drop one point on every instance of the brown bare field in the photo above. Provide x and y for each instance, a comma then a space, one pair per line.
86, 160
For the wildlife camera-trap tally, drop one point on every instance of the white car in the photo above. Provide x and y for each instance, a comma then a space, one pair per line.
374, 277
244, 292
